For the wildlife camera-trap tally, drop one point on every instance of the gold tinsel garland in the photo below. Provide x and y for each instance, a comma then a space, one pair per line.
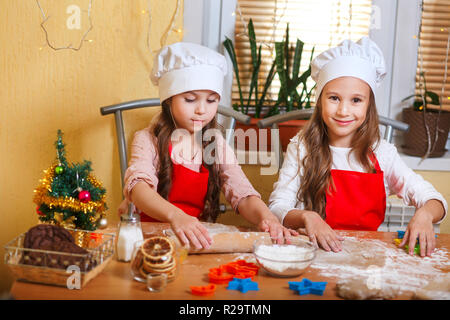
41, 196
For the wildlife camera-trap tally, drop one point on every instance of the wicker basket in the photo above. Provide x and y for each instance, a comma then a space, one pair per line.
416, 140
100, 249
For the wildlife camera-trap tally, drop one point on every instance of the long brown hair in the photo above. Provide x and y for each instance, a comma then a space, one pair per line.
316, 178
162, 130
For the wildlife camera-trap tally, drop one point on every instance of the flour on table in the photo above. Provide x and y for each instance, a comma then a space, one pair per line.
249, 257
219, 228
437, 289
372, 269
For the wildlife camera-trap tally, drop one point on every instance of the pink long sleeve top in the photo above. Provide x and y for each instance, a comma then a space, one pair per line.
145, 161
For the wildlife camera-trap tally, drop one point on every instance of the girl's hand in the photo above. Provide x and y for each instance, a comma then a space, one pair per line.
276, 230
189, 229
319, 232
421, 226
123, 208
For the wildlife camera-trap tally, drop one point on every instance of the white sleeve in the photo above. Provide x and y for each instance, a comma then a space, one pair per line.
404, 182
284, 196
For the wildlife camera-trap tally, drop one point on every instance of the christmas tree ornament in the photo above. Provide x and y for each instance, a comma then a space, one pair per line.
73, 198
39, 212
84, 196
78, 189
59, 169
102, 223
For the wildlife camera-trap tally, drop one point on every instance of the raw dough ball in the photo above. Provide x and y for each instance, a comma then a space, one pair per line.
361, 289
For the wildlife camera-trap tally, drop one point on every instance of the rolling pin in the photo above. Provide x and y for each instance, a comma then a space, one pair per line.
229, 242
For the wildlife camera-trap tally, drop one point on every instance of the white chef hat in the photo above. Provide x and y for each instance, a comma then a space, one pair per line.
363, 60
184, 66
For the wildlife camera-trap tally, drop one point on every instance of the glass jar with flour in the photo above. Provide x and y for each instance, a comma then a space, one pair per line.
128, 233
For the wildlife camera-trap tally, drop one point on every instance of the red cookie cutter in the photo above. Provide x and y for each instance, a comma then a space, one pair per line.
241, 266
203, 290
219, 276
243, 274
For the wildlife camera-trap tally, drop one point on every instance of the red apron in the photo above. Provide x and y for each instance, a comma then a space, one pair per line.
359, 200
188, 190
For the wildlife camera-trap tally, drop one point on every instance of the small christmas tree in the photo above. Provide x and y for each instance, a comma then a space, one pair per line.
69, 195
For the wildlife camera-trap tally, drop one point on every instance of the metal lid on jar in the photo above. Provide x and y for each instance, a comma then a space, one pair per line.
130, 218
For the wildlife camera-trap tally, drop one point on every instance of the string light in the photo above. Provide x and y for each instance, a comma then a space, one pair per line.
166, 34
444, 81
149, 7
169, 29
431, 146
45, 18
421, 88
245, 34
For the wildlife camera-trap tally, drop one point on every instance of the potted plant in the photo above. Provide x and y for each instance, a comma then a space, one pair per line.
290, 79
428, 127
256, 104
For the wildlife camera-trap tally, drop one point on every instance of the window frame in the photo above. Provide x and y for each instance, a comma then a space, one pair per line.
399, 47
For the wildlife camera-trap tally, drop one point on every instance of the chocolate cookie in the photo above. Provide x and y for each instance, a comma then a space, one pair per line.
54, 238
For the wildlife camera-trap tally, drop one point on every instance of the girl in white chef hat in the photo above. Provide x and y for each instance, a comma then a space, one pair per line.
337, 171
170, 183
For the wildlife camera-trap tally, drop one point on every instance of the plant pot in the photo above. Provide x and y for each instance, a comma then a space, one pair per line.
287, 130
416, 140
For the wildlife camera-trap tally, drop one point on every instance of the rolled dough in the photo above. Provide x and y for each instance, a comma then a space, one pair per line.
438, 289
363, 288
227, 239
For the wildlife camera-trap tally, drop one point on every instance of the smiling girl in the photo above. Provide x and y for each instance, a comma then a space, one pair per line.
337, 171
168, 179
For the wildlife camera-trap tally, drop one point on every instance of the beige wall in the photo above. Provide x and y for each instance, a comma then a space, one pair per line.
44, 90
440, 181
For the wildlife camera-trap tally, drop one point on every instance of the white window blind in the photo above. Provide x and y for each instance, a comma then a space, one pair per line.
318, 23
433, 46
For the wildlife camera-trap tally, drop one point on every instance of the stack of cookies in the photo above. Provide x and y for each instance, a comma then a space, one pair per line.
58, 249
157, 255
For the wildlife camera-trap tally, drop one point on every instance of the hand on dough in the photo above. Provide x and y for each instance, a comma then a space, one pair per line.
277, 232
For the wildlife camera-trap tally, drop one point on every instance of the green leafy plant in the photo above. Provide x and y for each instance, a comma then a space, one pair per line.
253, 96
290, 77
429, 97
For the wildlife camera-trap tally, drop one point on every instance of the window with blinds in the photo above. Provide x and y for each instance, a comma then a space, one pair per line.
318, 23
434, 37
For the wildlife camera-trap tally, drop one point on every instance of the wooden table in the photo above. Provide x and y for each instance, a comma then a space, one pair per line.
116, 281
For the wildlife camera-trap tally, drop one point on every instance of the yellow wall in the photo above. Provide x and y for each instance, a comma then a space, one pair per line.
44, 90
440, 180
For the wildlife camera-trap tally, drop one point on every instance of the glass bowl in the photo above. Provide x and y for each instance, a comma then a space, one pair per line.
284, 260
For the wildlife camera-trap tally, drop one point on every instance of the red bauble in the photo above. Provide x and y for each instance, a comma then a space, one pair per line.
84, 196
39, 212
